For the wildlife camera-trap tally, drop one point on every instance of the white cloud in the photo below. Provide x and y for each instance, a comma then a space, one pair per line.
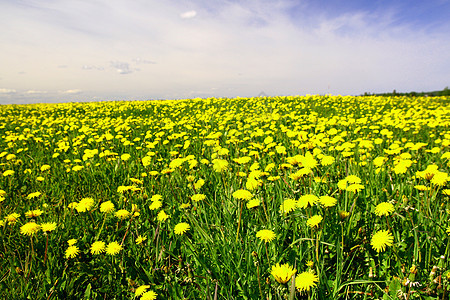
72, 92
188, 14
33, 92
90, 67
122, 67
139, 60
7, 91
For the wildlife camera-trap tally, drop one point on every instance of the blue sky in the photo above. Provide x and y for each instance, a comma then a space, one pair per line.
94, 50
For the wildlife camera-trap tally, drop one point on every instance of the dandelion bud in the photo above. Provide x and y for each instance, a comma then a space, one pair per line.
343, 214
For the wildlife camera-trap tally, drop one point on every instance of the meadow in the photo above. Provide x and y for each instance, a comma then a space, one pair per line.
312, 197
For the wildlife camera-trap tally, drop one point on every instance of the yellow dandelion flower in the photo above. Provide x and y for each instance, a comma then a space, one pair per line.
156, 197
12, 218
347, 181
252, 183
266, 235
305, 281
155, 205
282, 273
150, 295
220, 165
146, 161
199, 184
45, 168
140, 239
140, 290
98, 247
306, 200
137, 181
440, 178
72, 205
243, 195
107, 207
47, 227
381, 239
72, 242
34, 195
327, 160
77, 168
353, 179
273, 178
288, 205
242, 160
10, 156
181, 228
33, 213
122, 214
327, 201
308, 161
72, 251
384, 209
300, 173
342, 184
344, 214
29, 228
8, 173
314, 221
85, 204
356, 187
113, 248
421, 187
198, 197
162, 216
185, 205
123, 188
253, 203
125, 156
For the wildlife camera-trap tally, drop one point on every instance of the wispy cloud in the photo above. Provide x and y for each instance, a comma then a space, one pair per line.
122, 67
143, 61
72, 92
90, 67
7, 91
33, 92
188, 14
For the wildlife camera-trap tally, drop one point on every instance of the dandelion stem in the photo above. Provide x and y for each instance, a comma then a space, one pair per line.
267, 253
101, 228
126, 232
239, 222
46, 247
259, 280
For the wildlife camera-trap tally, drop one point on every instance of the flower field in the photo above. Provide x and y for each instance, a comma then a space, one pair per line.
314, 197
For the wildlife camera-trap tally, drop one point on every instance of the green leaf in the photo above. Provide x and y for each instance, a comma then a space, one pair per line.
87, 292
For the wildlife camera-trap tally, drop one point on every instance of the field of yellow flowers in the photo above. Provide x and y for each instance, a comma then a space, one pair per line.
313, 197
